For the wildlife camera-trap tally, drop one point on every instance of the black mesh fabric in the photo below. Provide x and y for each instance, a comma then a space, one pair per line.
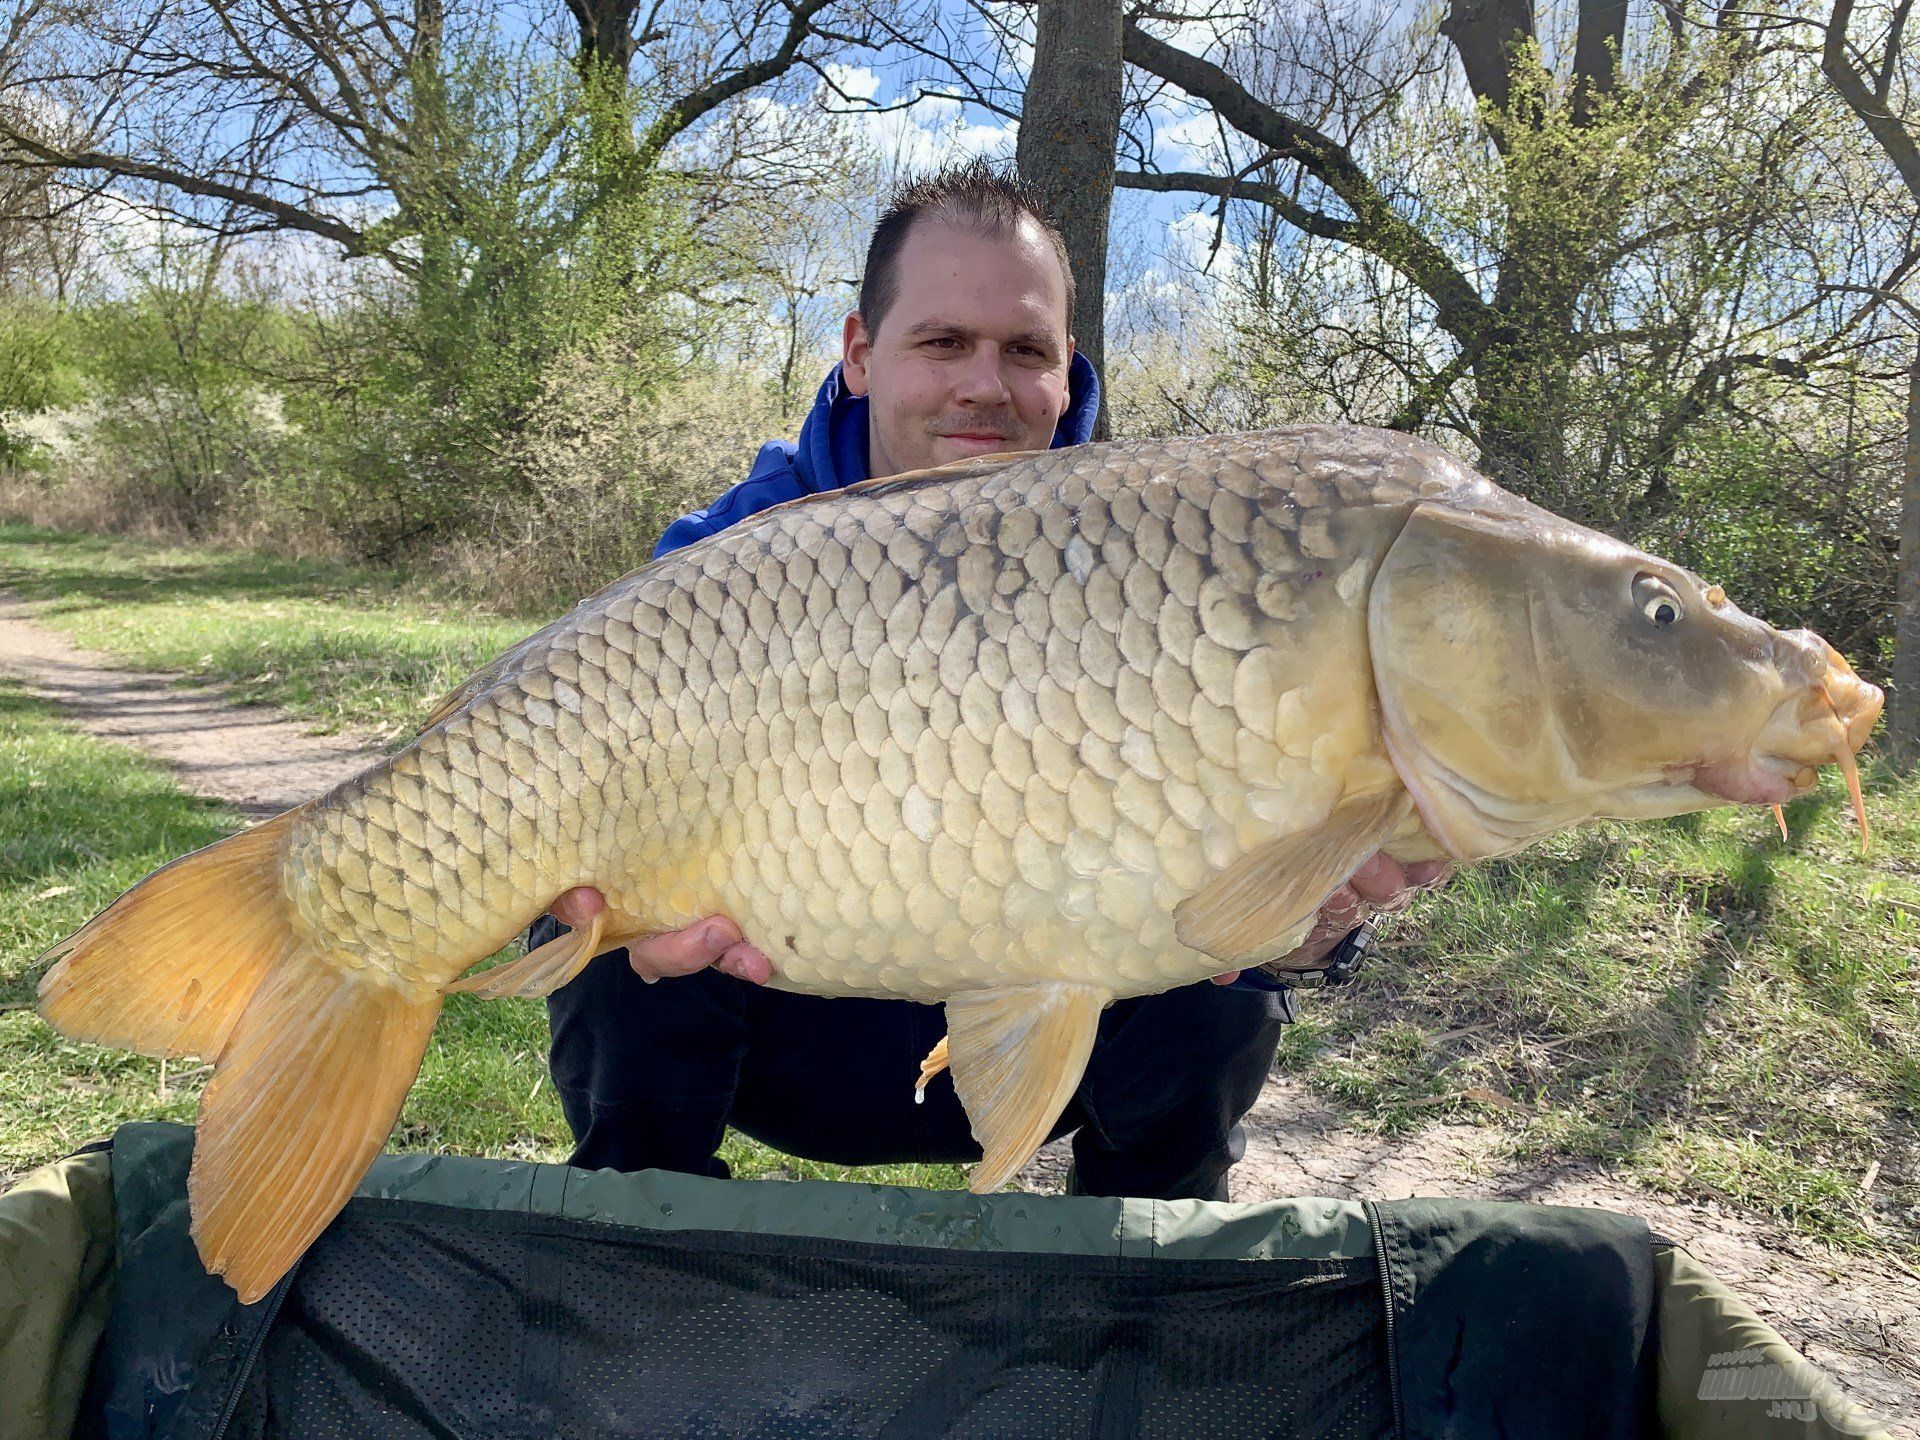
416, 1320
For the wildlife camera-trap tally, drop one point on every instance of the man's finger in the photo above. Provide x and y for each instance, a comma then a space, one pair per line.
681, 952
743, 962
578, 906
1226, 977
1380, 880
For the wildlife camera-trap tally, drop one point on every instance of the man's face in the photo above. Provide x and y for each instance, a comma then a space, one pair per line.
971, 358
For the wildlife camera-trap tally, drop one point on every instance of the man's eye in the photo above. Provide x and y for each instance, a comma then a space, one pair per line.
943, 341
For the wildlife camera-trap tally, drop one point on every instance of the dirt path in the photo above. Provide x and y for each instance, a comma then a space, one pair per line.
1858, 1318
246, 755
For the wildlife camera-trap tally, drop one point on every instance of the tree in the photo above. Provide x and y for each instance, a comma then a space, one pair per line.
1869, 78
330, 119
1521, 219
519, 188
1069, 123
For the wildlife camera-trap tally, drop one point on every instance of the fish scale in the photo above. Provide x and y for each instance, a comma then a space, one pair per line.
636, 738
1024, 735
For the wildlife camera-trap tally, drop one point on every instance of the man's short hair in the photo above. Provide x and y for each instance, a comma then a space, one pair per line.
977, 196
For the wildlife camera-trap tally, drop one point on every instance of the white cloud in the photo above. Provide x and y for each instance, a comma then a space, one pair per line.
1187, 141
1194, 241
855, 81
1202, 33
935, 132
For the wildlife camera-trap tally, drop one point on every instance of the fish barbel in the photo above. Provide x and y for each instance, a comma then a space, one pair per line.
1024, 735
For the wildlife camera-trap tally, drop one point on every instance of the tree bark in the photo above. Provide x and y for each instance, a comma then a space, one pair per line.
1485, 35
607, 41
1899, 141
1069, 126
1903, 718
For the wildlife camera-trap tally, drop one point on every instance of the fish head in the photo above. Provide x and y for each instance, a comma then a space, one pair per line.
1533, 674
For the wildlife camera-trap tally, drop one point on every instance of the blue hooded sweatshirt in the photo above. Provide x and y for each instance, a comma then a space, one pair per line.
832, 453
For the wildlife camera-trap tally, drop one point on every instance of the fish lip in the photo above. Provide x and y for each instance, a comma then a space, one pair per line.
1751, 779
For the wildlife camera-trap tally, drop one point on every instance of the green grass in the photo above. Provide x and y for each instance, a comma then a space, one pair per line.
81, 820
333, 645
1715, 1011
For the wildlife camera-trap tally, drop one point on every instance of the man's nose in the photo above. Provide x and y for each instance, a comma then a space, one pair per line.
981, 380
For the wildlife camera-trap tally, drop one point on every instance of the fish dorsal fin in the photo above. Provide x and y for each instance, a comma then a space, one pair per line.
459, 696
482, 680
541, 970
966, 469
1017, 1057
1256, 909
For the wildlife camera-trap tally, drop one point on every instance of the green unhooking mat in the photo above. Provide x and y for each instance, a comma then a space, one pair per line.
458, 1297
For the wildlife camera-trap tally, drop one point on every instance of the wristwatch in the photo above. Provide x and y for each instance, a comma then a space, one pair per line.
1343, 962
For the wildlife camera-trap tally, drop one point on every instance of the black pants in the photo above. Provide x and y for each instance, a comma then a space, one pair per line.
651, 1075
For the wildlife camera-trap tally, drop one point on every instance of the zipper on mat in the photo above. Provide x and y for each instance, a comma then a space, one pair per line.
1386, 1296
267, 1317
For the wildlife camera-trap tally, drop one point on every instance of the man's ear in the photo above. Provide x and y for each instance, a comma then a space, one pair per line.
856, 348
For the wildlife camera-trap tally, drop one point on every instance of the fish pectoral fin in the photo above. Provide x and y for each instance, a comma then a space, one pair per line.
541, 970
1017, 1057
1252, 911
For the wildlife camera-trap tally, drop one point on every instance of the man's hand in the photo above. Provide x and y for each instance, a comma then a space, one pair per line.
715, 941
1381, 885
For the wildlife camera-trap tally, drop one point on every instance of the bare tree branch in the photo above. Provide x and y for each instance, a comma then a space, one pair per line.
1901, 146
1313, 222
689, 109
1377, 226
283, 214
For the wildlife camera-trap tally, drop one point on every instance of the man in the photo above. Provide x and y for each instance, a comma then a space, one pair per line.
959, 347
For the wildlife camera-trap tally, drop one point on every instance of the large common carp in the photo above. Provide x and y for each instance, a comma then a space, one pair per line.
1024, 734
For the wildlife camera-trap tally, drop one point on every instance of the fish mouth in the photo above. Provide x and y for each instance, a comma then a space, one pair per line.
1824, 719
1826, 723
1750, 779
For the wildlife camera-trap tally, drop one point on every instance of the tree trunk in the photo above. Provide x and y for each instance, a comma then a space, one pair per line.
1903, 721
1522, 384
1069, 127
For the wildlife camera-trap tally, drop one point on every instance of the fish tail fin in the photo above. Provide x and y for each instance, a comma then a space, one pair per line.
312, 1059
301, 1102
168, 968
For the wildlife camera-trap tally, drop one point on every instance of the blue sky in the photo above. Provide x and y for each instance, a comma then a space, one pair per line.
1159, 239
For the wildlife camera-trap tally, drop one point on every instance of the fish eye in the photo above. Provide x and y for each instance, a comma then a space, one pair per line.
1657, 601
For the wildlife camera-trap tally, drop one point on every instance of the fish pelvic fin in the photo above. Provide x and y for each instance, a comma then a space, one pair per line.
540, 971
1017, 1056
169, 967
1257, 908
300, 1103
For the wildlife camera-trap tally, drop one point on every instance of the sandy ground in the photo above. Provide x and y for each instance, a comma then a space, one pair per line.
1859, 1319
248, 756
